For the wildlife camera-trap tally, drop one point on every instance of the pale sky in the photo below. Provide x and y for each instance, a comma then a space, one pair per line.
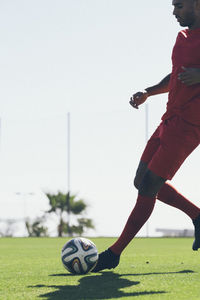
86, 57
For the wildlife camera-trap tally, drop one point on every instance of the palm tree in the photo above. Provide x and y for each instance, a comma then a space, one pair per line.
64, 205
36, 228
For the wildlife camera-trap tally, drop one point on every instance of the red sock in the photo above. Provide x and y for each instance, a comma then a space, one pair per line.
139, 215
170, 196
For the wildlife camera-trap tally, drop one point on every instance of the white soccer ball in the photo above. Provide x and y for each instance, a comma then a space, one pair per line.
79, 255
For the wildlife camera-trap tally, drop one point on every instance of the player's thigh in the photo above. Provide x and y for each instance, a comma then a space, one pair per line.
178, 141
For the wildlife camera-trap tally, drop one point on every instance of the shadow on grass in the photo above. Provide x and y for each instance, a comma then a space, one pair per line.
132, 274
107, 285
153, 273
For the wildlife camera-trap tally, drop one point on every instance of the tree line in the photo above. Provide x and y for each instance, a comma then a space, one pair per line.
70, 212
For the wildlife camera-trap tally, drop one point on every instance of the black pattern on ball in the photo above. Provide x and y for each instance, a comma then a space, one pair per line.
79, 256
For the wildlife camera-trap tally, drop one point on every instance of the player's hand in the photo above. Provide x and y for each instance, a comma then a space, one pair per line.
138, 98
189, 76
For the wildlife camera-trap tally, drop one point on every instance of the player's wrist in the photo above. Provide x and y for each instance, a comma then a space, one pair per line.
145, 91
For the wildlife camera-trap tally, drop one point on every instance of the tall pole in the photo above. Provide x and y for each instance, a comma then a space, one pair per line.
146, 139
0, 132
68, 151
68, 169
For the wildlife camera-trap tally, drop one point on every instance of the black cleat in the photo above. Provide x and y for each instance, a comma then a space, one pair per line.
196, 244
107, 260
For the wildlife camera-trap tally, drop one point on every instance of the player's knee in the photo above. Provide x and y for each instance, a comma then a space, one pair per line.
136, 183
151, 184
141, 170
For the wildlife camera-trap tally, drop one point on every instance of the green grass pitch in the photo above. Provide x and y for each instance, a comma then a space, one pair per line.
154, 268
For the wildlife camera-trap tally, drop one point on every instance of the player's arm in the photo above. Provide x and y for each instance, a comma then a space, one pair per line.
160, 88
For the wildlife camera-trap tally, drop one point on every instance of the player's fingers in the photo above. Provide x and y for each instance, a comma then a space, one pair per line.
133, 104
188, 82
183, 77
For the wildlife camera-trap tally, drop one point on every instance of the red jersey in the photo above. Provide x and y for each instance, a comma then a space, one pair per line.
184, 100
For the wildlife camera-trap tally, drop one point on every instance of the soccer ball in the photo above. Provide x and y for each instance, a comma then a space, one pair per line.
79, 255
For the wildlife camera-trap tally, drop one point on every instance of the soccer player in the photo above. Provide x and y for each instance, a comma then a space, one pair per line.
175, 138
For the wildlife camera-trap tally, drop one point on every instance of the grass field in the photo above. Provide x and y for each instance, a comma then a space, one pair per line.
167, 269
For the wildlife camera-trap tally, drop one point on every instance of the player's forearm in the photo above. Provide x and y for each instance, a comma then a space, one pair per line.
160, 88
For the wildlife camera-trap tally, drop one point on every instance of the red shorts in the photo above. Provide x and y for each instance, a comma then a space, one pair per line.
170, 145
